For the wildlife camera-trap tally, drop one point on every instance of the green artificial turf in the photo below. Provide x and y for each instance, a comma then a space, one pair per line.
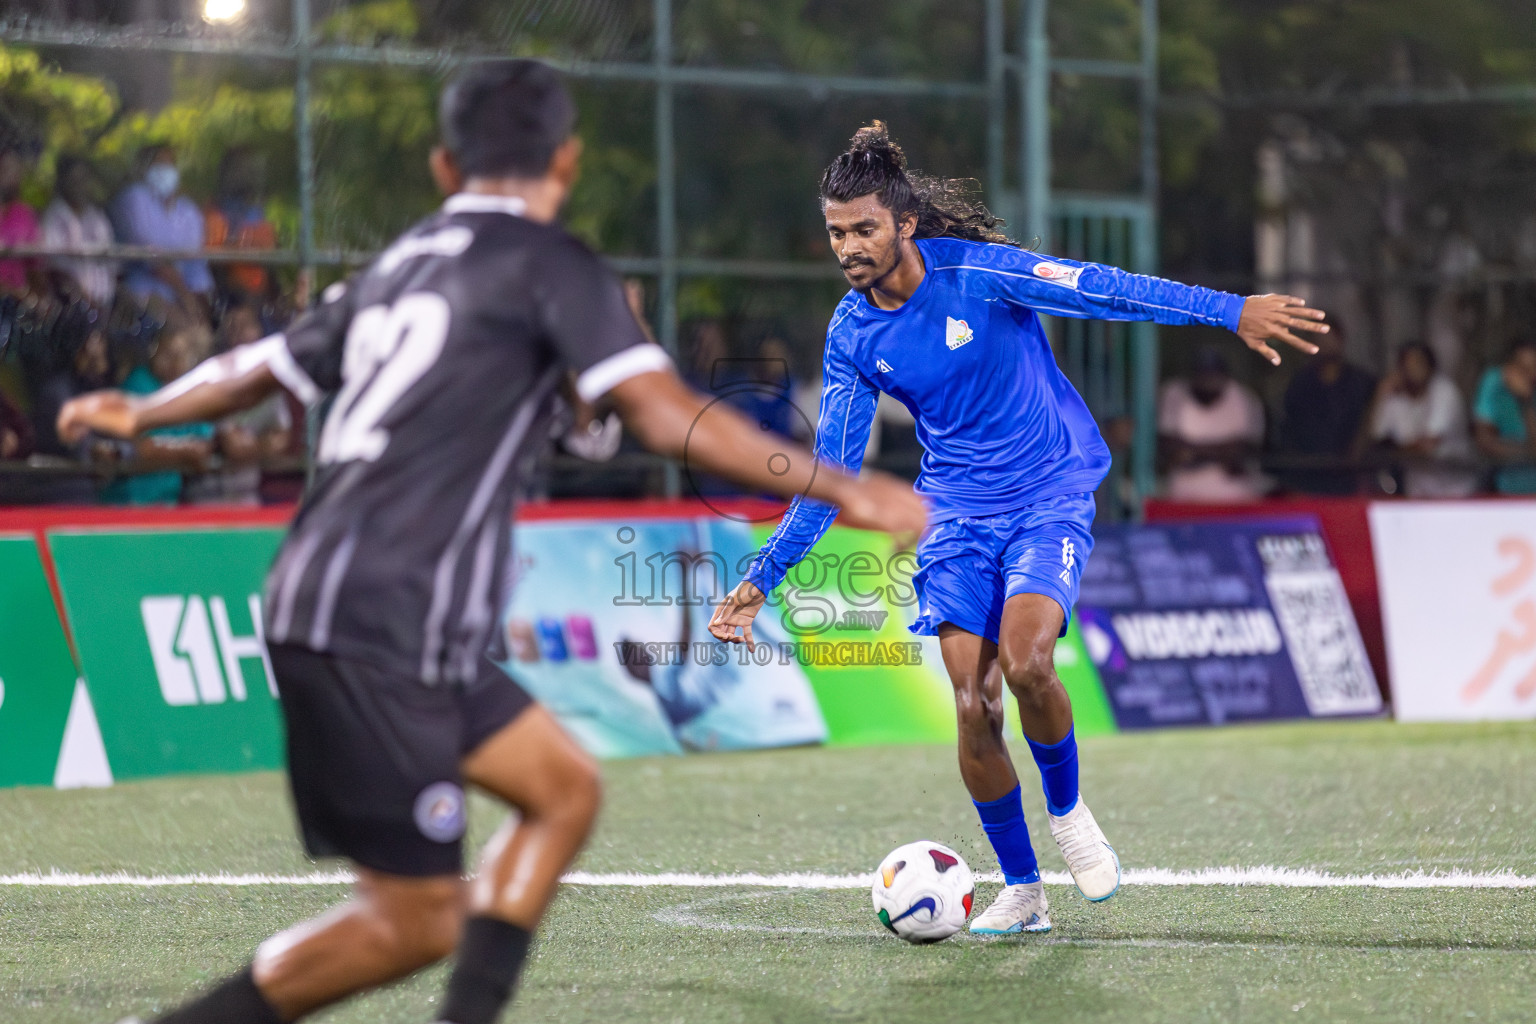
1371, 797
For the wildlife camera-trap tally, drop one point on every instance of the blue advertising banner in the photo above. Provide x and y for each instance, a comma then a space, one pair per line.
1213, 622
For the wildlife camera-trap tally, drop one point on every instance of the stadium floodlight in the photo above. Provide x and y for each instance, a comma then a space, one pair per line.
222, 12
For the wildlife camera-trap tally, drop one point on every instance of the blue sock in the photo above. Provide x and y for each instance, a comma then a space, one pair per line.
1003, 821
1058, 772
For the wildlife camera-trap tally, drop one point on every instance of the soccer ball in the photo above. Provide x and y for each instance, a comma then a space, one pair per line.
923, 892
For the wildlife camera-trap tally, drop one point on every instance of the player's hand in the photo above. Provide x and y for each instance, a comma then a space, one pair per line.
737, 611
107, 412
1269, 318
879, 501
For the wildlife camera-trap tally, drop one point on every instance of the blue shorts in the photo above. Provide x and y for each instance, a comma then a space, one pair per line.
967, 568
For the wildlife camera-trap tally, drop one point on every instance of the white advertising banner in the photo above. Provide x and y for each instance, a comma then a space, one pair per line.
1458, 599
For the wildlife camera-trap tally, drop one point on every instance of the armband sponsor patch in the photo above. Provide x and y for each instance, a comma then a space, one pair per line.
1058, 274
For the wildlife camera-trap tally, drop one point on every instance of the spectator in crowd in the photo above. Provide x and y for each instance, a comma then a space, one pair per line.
246, 439
1505, 416
16, 440
19, 277
1210, 429
151, 211
1324, 412
81, 362
236, 220
1419, 411
769, 402
712, 369
76, 220
170, 451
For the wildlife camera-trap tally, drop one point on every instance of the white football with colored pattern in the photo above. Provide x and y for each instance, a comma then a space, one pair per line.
923, 891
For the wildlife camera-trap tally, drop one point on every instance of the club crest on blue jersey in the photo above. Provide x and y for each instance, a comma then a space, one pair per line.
439, 812
956, 333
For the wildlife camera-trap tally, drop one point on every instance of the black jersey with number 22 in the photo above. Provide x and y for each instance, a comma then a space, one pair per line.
445, 356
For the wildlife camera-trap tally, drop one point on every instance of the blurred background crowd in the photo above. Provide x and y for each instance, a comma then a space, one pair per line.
1379, 162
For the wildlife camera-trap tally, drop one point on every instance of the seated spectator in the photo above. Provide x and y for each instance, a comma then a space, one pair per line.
16, 441
81, 361
1419, 411
768, 402
76, 220
1210, 429
1325, 410
1505, 417
172, 451
236, 220
151, 212
19, 277
246, 439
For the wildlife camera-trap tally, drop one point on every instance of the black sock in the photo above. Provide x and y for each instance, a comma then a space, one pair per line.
235, 1001
491, 954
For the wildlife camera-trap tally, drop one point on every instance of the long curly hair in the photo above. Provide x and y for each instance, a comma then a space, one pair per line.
945, 207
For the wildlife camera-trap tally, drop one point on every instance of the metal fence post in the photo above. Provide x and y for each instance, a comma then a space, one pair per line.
1144, 354
304, 136
997, 100
666, 199
1036, 134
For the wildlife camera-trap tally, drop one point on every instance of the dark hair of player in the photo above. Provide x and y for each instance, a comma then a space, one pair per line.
945, 207
505, 118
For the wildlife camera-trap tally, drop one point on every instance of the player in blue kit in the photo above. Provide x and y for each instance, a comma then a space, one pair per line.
943, 316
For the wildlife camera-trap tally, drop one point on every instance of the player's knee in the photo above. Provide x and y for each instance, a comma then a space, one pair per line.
584, 788
423, 927
576, 792
1028, 669
974, 711
439, 934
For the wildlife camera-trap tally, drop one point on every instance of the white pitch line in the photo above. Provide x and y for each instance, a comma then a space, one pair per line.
1292, 878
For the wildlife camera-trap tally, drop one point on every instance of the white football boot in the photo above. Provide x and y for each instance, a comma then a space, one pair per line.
1093, 863
1018, 908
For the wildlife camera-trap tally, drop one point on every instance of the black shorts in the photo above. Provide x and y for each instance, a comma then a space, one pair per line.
373, 757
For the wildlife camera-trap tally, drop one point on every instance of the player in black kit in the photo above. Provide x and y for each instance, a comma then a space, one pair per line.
447, 357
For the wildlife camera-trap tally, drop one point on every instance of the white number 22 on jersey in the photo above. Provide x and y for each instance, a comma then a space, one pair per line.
388, 349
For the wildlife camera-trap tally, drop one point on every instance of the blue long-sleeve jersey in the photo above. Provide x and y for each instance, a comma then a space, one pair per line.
1000, 425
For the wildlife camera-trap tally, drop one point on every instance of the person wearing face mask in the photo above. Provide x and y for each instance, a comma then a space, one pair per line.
1210, 429
236, 220
75, 220
151, 211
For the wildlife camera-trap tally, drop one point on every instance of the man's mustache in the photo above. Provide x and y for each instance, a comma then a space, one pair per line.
857, 261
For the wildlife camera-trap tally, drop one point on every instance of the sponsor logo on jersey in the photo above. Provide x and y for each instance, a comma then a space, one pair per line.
196, 653
1058, 274
439, 812
1151, 636
957, 333
881, 366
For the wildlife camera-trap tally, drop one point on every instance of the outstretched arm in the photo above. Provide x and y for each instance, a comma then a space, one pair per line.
672, 419
1063, 287
234, 381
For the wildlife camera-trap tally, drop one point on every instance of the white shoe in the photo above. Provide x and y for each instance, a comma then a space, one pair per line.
1093, 863
1018, 908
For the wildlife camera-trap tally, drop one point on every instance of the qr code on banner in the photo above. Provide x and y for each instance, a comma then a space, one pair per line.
1324, 643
